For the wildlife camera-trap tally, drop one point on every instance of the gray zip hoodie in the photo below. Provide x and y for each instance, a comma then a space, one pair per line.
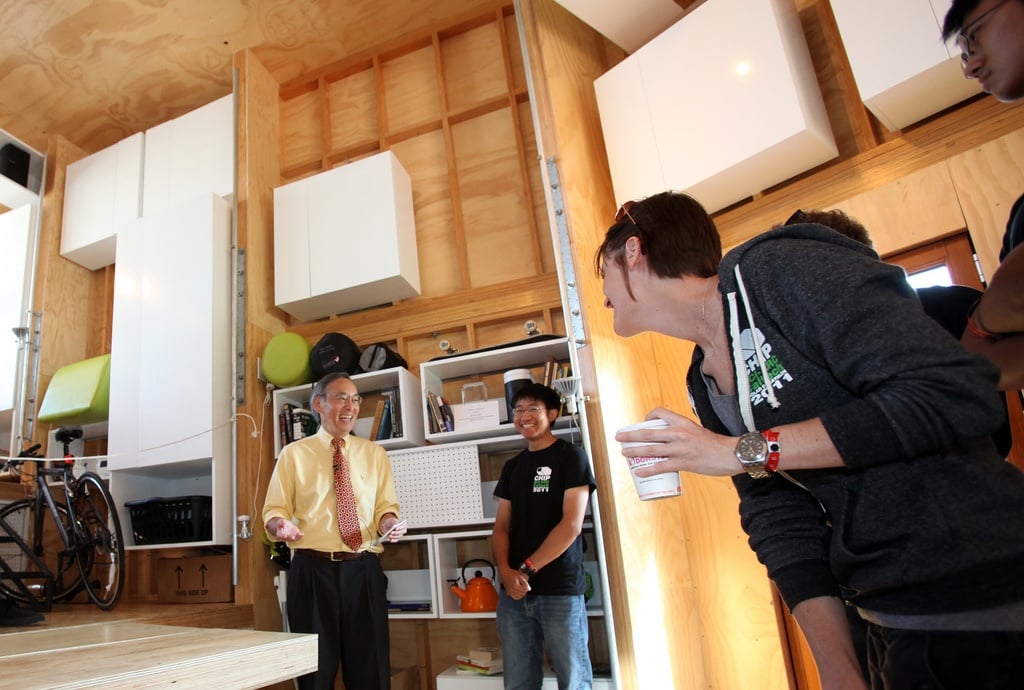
925, 518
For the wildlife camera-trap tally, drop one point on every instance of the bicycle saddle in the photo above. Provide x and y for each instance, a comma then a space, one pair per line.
67, 434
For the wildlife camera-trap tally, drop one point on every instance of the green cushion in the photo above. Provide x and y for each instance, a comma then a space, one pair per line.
79, 393
285, 360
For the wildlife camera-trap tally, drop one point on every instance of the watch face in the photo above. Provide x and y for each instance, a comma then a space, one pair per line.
751, 448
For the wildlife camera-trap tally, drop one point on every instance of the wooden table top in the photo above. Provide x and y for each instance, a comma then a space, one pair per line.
142, 655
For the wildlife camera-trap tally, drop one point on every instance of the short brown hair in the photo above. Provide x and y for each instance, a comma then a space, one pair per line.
676, 234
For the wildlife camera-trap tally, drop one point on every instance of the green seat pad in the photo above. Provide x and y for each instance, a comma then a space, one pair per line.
285, 360
79, 393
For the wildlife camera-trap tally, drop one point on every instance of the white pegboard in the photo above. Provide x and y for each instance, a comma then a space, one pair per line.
438, 486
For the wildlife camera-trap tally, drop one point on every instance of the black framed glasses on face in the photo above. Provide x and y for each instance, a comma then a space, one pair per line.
532, 409
343, 398
966, 40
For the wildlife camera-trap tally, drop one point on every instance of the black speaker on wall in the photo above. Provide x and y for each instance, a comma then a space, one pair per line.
14, 163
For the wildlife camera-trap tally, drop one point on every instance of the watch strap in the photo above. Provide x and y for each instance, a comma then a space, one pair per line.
774, 449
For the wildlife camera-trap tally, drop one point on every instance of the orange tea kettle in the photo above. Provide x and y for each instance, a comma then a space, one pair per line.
479, 595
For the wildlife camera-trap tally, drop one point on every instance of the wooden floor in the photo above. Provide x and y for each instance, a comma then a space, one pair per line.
153, 646
225, 615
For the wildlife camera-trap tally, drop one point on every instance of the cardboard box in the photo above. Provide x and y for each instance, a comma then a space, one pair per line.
194, 580
482, 415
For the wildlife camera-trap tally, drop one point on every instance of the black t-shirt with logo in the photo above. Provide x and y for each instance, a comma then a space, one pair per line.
535, 482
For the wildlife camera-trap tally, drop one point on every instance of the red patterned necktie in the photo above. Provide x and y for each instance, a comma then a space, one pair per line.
348, 518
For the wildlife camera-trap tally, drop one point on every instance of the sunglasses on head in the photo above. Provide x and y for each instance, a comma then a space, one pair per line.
623, 212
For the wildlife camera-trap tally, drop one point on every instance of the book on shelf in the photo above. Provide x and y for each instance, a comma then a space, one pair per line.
447, 416
485, 655
466, 663
384, 430
282, 424
303, 423
396, 413
550, 369
435, 418
377, 414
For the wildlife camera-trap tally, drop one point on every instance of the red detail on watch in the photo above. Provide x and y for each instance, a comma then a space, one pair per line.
774, 449
529, 564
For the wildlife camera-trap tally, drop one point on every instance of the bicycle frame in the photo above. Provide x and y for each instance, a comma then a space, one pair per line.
82, 549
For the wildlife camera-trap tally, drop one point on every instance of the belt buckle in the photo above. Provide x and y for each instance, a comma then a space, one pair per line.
338, 556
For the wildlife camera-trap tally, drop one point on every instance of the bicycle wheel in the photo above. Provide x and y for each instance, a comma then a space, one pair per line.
44, 542
100, 543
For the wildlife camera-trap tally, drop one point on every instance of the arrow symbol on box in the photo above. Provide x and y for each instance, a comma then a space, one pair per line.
202, 578
179, 570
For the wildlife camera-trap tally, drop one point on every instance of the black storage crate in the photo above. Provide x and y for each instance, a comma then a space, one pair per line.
171, 520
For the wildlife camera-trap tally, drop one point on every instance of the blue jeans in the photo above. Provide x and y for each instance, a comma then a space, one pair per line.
925, 660
557, 622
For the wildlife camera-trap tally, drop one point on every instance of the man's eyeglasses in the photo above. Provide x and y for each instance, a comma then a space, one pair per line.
966, 40
535, 409
343, 398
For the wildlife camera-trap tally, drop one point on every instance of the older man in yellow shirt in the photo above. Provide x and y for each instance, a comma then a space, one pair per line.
331, 497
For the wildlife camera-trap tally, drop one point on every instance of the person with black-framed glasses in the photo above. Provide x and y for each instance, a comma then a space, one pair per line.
542, 495
990, 36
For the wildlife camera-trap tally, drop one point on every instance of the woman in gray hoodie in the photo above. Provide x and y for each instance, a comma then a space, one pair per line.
857, 432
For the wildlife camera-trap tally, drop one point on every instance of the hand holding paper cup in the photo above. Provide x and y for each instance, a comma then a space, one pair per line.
656, 486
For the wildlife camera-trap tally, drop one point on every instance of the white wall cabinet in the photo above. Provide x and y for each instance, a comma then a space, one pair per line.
345, 239
189, 155
170, 373
15, 234
627, 24
102, 194
720, 120
904, 71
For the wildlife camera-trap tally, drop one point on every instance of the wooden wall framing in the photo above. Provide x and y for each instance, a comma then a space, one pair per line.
487, 257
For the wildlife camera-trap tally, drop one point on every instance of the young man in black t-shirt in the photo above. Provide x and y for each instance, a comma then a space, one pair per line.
542, 497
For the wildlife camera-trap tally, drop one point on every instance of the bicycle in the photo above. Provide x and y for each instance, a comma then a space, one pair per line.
75, 544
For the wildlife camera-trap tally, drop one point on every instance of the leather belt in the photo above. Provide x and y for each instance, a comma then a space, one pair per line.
335, 555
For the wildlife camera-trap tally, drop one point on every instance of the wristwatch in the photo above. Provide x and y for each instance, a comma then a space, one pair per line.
758, 452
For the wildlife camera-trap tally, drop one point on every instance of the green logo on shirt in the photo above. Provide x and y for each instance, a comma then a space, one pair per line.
542, 480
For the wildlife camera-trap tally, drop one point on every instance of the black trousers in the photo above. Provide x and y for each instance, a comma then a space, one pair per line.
925, 660
345, 603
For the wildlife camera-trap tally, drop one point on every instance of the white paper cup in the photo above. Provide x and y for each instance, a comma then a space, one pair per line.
664, 485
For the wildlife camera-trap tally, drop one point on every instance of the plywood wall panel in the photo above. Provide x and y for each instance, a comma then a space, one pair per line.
411, 89
493, 208
988, 179
515, 55
425, 160
352, 103
909, 212
474, 68
301, 135
545, 242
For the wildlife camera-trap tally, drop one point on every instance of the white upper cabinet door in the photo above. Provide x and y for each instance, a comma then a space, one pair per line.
724, 103
353, 243
102, 193
291, 243
15, 230
904, 71
191, 155
630, 140
170, 370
